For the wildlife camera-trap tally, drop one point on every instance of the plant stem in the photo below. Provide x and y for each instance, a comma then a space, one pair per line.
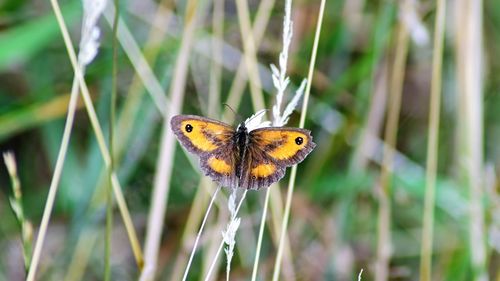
112, 112
163, 174
293, 174
80, 81
199, 233
261, 234
390, 136
432, 146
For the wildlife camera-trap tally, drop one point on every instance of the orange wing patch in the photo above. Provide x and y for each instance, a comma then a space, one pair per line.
290, 142
263, 170
220, 166
196, 131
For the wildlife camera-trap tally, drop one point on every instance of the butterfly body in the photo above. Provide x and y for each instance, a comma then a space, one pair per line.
242, 158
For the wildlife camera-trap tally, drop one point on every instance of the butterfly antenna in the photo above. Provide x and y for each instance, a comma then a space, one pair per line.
239, 117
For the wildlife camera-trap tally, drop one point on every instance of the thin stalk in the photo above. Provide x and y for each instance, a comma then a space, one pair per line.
293, 174
199, 233
104, 152
193, 221
261, 234
16, 204
470, 126
250, 55
83, 251
139, 62
215, 67
112, 110
165, 160
129, 110
390, 136
56, 177
432, 146
240, 78
221, 245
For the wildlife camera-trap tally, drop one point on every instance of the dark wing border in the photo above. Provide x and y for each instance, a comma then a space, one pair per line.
175, 122
299, 156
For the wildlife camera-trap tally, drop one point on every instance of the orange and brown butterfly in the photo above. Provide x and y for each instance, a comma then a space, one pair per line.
250, 159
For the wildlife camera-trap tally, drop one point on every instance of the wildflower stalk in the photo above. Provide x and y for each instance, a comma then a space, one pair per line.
221, 245
291, 184
231, 229
16, 204
280, 82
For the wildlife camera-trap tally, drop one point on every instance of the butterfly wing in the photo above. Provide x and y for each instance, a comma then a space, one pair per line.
285, 146
212, 141
270, 151
200, 135
258, 170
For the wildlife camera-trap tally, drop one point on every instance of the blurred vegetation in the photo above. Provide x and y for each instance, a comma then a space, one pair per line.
333, 225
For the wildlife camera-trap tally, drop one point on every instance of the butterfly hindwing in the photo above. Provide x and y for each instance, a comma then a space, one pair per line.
220, 166
259, 170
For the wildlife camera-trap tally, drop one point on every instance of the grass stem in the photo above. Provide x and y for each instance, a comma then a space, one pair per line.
161, 186
199, 233
432, 146
109, 189
221, 245
293, 174
261, 234
390, 136
104, 152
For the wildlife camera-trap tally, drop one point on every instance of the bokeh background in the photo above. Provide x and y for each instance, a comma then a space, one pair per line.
358, 201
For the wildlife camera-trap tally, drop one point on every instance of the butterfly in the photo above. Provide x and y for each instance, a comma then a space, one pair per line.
250, 159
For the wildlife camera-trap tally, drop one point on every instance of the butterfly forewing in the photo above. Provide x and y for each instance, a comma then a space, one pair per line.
201, 135
211, 140
285, 146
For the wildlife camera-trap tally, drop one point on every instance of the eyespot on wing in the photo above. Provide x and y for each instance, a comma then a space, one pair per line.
199, 134
287, 145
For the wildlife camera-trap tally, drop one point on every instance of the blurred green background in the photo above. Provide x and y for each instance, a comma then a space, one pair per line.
334, 215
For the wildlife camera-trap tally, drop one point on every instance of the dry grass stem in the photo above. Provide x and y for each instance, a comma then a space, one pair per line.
104, 151
432, 146
141, 65
186, 271
384, 247
291, 185
469, 19
164, 166
238, 86
250, 54
221, 245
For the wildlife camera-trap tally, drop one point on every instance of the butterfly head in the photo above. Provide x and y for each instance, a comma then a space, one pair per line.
242, 128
